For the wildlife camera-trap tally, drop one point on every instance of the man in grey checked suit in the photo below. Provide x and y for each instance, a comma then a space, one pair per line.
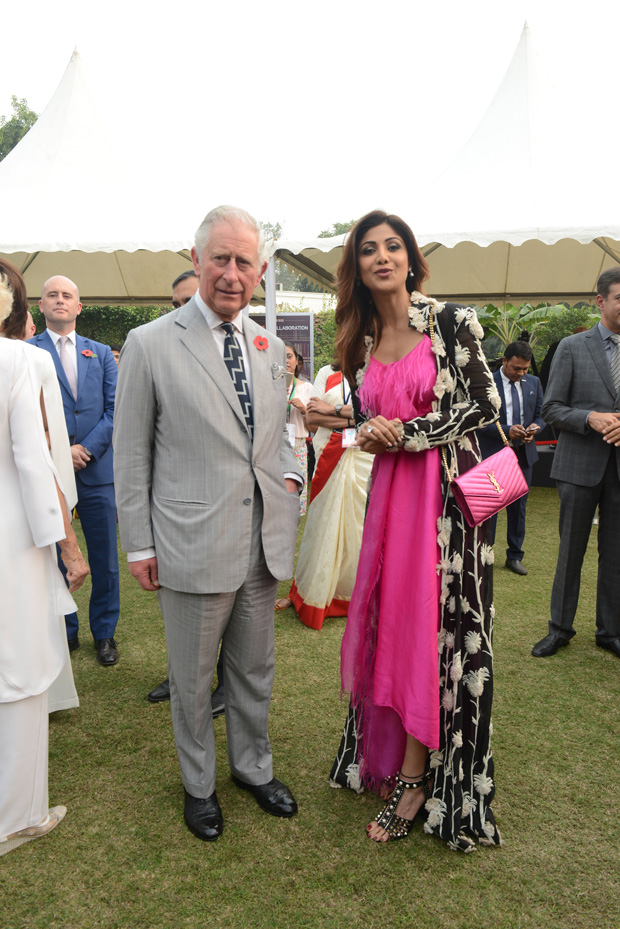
582, 402
207, 493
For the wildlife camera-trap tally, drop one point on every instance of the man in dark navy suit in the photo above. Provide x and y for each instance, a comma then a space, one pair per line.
522, 398
87, 377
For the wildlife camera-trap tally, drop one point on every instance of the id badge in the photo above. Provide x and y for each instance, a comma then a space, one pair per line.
290, 428
348, 437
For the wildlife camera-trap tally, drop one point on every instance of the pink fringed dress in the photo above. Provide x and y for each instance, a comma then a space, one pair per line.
389, 650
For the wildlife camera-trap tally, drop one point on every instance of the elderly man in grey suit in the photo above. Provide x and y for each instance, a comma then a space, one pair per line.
582, 401
207, 492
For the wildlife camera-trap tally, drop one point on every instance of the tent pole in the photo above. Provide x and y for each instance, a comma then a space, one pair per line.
270, 296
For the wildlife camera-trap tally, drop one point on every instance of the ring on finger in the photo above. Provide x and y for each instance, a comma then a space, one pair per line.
369, 428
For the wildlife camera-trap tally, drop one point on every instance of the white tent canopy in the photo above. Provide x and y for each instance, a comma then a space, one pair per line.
525, 212
72, 205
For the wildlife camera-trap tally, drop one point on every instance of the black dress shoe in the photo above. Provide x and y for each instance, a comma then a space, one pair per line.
217, 701
612, 646
204, 817
73, 644
549, 645
107, 652
516, 567
274, 797
160, 693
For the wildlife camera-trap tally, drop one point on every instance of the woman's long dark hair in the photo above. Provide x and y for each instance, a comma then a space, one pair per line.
356, 315
14, 326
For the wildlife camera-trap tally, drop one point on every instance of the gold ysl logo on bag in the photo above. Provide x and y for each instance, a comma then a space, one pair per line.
493, 480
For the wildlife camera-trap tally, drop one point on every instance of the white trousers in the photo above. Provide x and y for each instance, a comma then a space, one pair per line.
23, 763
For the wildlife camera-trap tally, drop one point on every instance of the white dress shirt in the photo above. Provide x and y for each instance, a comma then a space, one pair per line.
508, 397
215, 325
71, 346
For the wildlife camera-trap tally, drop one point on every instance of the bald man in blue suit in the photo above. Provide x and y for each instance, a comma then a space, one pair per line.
87, 376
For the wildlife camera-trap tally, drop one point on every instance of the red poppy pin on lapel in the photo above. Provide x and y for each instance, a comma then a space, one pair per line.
88, 354
261, 343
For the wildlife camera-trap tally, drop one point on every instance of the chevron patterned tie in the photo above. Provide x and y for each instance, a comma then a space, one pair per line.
614, 365
234, 362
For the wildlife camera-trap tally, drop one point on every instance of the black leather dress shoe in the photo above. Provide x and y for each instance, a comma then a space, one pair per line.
160, 693
516, 567
204, 817
217, 701
107, 652
612, 646
274, 797
549, 645
73, 644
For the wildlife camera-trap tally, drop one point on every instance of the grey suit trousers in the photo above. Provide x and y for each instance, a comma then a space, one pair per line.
243, 620
577, 508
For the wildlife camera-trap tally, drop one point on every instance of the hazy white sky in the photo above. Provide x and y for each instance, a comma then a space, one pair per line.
303, 113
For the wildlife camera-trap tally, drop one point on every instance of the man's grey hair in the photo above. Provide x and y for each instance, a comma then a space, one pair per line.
231, 214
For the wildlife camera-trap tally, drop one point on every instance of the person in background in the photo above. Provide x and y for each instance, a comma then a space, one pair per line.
116, 348
522, 399
329, 551
299, 393
582, 403
30, 326
87, 376
183, 288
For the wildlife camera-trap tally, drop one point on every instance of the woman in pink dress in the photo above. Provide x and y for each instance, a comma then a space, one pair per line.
421, 726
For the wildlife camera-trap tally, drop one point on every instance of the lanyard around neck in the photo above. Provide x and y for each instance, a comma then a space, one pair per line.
288, 409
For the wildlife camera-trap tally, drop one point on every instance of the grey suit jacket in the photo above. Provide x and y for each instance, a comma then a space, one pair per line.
185, 466
580, 381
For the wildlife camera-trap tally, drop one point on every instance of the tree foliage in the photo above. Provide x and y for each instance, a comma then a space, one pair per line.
285, 275
107, 323
325, 334
564, 324
12, 130
503, 325
336, 229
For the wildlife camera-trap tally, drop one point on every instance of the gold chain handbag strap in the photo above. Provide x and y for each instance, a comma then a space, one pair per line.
431, 326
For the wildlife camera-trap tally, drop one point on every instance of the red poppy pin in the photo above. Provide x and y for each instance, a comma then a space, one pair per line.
261, 343
88, 354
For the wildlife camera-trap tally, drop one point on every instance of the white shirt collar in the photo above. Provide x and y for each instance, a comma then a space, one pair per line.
507, 382
54, 336
214, 321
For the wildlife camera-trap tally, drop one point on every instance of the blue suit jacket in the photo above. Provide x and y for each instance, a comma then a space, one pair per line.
489, 438
90, 416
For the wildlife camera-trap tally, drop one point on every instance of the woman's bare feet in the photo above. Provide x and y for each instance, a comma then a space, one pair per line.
407, 807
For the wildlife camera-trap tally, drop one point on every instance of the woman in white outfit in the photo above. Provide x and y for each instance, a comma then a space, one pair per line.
35, 517
18, 325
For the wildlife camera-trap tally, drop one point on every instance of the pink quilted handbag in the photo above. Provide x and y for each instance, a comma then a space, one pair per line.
488, 487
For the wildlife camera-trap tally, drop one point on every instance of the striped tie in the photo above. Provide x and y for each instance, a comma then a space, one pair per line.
234, 362
614, 366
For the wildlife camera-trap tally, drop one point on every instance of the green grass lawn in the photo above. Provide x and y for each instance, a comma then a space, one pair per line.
123, 856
